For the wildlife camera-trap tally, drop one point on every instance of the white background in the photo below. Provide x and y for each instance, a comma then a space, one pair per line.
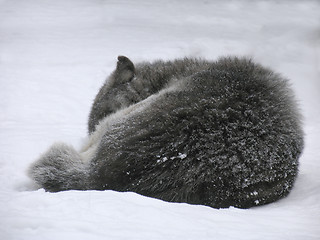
55, 55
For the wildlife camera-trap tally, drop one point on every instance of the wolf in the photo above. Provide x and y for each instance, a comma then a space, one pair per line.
216, 133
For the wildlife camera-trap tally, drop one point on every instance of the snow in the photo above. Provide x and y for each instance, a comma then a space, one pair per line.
55, 55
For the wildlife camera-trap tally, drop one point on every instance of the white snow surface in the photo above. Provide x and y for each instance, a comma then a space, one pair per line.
55, 55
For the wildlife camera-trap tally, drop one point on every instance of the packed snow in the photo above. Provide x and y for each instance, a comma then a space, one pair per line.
55, 55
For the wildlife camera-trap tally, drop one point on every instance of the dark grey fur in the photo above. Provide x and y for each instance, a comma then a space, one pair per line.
224, 133
128, 85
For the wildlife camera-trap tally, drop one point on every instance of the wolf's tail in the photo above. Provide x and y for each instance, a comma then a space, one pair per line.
60, 168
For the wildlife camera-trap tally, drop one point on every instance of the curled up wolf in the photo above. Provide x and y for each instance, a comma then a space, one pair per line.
217, 133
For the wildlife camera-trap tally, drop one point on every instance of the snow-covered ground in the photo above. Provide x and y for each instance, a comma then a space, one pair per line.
54, 56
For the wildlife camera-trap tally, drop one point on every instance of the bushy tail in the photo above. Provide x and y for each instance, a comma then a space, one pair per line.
60, 168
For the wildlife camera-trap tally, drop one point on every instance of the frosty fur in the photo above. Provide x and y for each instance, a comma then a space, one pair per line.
223, 133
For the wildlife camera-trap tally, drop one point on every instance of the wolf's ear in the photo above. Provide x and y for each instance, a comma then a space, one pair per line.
125, 70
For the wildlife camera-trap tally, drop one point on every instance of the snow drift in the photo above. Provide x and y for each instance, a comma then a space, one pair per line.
55, 55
